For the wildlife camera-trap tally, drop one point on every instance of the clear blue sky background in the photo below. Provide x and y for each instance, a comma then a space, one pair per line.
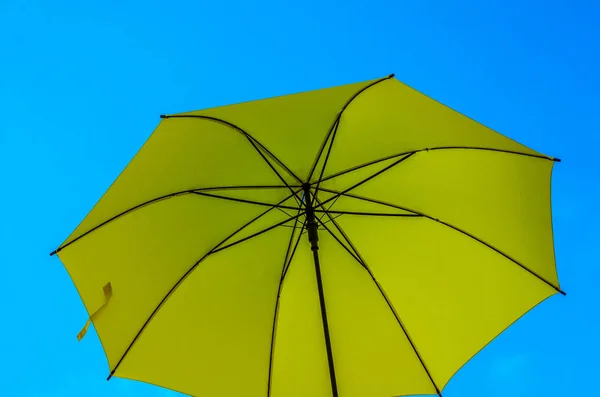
82, 84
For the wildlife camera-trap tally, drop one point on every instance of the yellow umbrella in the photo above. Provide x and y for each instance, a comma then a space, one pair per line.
361, 240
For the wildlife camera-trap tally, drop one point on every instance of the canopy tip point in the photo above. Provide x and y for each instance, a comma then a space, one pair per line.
53, 252
164, 116
563, 293
109, 376
557, 160
391, 76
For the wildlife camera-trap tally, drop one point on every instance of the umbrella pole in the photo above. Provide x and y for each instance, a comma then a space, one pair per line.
313, 237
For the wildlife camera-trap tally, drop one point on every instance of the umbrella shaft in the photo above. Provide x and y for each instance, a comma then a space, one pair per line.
313, 237
325, 324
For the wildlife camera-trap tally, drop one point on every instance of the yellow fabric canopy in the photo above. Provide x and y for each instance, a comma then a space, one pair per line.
361, 240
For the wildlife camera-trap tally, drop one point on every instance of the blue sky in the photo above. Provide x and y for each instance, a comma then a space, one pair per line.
82, 84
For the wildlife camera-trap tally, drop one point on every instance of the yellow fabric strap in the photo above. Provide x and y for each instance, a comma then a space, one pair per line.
107, 295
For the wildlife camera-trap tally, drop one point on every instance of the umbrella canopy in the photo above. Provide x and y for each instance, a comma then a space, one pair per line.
361, 240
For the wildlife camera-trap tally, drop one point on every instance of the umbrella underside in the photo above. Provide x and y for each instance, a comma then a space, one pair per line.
353, 275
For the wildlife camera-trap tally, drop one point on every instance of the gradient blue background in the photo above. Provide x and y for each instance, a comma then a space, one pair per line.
82, 84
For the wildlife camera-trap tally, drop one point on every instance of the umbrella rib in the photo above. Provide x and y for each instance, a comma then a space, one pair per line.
356, 255
349, 250
411, 215
332, 219
334, 126
290, 226
286, 262
330, 206
243, 132
164, 197
335, 217
302, 230
433, 149
395, 163
464, 232
272, 167
278, 224
285, 212
245, 201
215, 249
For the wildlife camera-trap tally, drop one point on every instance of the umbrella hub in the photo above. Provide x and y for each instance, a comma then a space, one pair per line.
311, 222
